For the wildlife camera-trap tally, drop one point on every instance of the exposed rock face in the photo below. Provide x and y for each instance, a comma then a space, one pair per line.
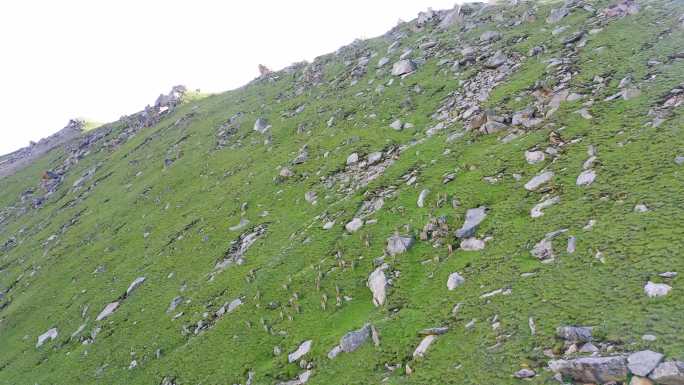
599, 370
239, 247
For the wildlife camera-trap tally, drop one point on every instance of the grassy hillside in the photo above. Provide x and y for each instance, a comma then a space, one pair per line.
175, 201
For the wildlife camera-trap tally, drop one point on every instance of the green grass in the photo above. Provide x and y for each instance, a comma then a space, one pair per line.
188, 207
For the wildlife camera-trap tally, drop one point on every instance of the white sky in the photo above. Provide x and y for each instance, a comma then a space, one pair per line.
103, 59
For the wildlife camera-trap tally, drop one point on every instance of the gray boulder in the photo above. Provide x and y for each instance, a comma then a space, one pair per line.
403, 67
496, 60
354, 339
473, 218
574, 333
261, 125
397, 244
539, 180
598, 370
669, 373
642, 363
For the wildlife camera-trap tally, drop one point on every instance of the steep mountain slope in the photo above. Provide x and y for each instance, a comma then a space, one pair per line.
535, 150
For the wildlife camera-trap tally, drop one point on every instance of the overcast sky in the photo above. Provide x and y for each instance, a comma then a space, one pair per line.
103, 59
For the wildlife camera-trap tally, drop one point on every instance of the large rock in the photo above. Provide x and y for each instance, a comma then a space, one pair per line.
300, 352
539, 180
403, 67
598, 370
642, 363
377, 283
48, 335
397, 244
354, 339
473, 218
669, 373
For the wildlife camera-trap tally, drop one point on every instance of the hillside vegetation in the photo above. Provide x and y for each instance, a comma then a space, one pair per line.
481, 194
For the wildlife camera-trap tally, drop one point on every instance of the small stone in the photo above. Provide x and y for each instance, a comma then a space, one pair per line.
397, 244
668, 274
534, 157
543, 250
679, 160
48, 335
656, 289
589, 348
536, 211
574, 333
310, 196
261, 125
539, 180
377, 283
352, 159
354, 225
421, 197
640, 208
134, 285
300, 352
374, 157
107, 311
472, 244
455, 280
649, 337
572, 245
586, 178
397, 125
334, 352
423, 346
525, 373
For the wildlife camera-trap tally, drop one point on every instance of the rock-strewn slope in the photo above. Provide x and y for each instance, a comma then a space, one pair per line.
485, 195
